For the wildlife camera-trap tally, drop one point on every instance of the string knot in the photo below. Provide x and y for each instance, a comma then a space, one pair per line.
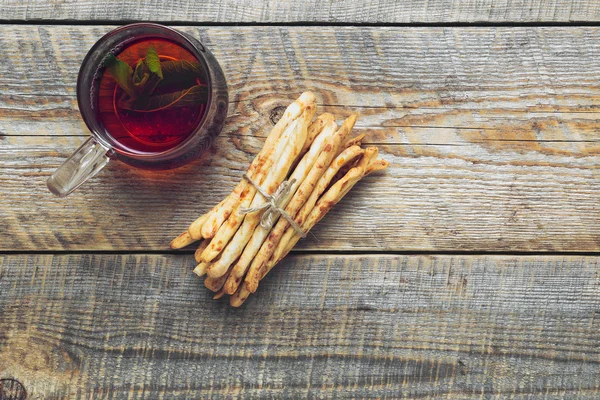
272, 206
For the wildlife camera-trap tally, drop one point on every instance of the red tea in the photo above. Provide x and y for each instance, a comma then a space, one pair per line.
157, 99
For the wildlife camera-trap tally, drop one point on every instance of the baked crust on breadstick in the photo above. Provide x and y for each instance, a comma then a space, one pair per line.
330, 151
274, 178
281, 158
325, 203
217, 216
203, 244
182, 240
215, 284
355, 141
333, 196
261, 233
346, 157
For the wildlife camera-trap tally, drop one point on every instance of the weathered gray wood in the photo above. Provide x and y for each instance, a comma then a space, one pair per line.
492, 69
492, 134
346, 11
118, 326
462, 197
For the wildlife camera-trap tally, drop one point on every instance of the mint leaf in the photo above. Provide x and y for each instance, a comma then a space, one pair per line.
121, 72
182, 67
153, 62
140, 77
194, 95
140, 73
181, 71
150, 85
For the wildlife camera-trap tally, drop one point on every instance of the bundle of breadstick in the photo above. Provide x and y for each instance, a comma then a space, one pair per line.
304, 168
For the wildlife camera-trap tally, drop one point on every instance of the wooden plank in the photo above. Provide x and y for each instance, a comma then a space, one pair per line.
491, 132
322, 11
432, 197
134, 326
494, 69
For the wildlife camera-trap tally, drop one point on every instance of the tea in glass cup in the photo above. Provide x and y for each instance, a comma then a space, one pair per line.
152, 97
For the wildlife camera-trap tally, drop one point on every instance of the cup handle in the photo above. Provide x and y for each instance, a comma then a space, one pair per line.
86, 162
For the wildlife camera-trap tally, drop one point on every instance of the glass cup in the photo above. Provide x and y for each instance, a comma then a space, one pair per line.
101, 147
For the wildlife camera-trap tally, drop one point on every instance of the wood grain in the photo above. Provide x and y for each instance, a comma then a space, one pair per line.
322, 11
117, 326
432, 197
492, 134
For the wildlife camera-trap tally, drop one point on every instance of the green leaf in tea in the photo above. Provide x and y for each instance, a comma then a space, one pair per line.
194, 95
152, 66
182, 67
153, 62
122, 74
150, 85
140, 74
178, 72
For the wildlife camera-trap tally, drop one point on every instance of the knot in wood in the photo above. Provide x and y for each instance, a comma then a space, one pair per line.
276, 114
12, 389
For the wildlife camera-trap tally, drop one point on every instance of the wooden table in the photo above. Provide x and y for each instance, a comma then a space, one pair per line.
469, 270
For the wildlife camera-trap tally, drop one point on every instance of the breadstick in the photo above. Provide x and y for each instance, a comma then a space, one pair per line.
356, 141
344, 158
182, 240
261, 233
203, 244
368, 157
231, 225
195, 228
215, 284
282, 251
329, 199
233, 281
218, 215
315, 129
193, 233
237, 239
239, 297
344, 170
329, 152
332, 197
377, 165
233, 250
201, 268
321, 163
248, 196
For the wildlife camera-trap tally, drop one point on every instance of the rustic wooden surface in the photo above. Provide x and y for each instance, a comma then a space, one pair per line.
491, 133
129, 326
290, 11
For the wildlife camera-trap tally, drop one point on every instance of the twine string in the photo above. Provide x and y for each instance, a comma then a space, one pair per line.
272, 207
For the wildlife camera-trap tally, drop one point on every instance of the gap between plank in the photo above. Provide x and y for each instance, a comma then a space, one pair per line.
85, 136
322, 252
482, 24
